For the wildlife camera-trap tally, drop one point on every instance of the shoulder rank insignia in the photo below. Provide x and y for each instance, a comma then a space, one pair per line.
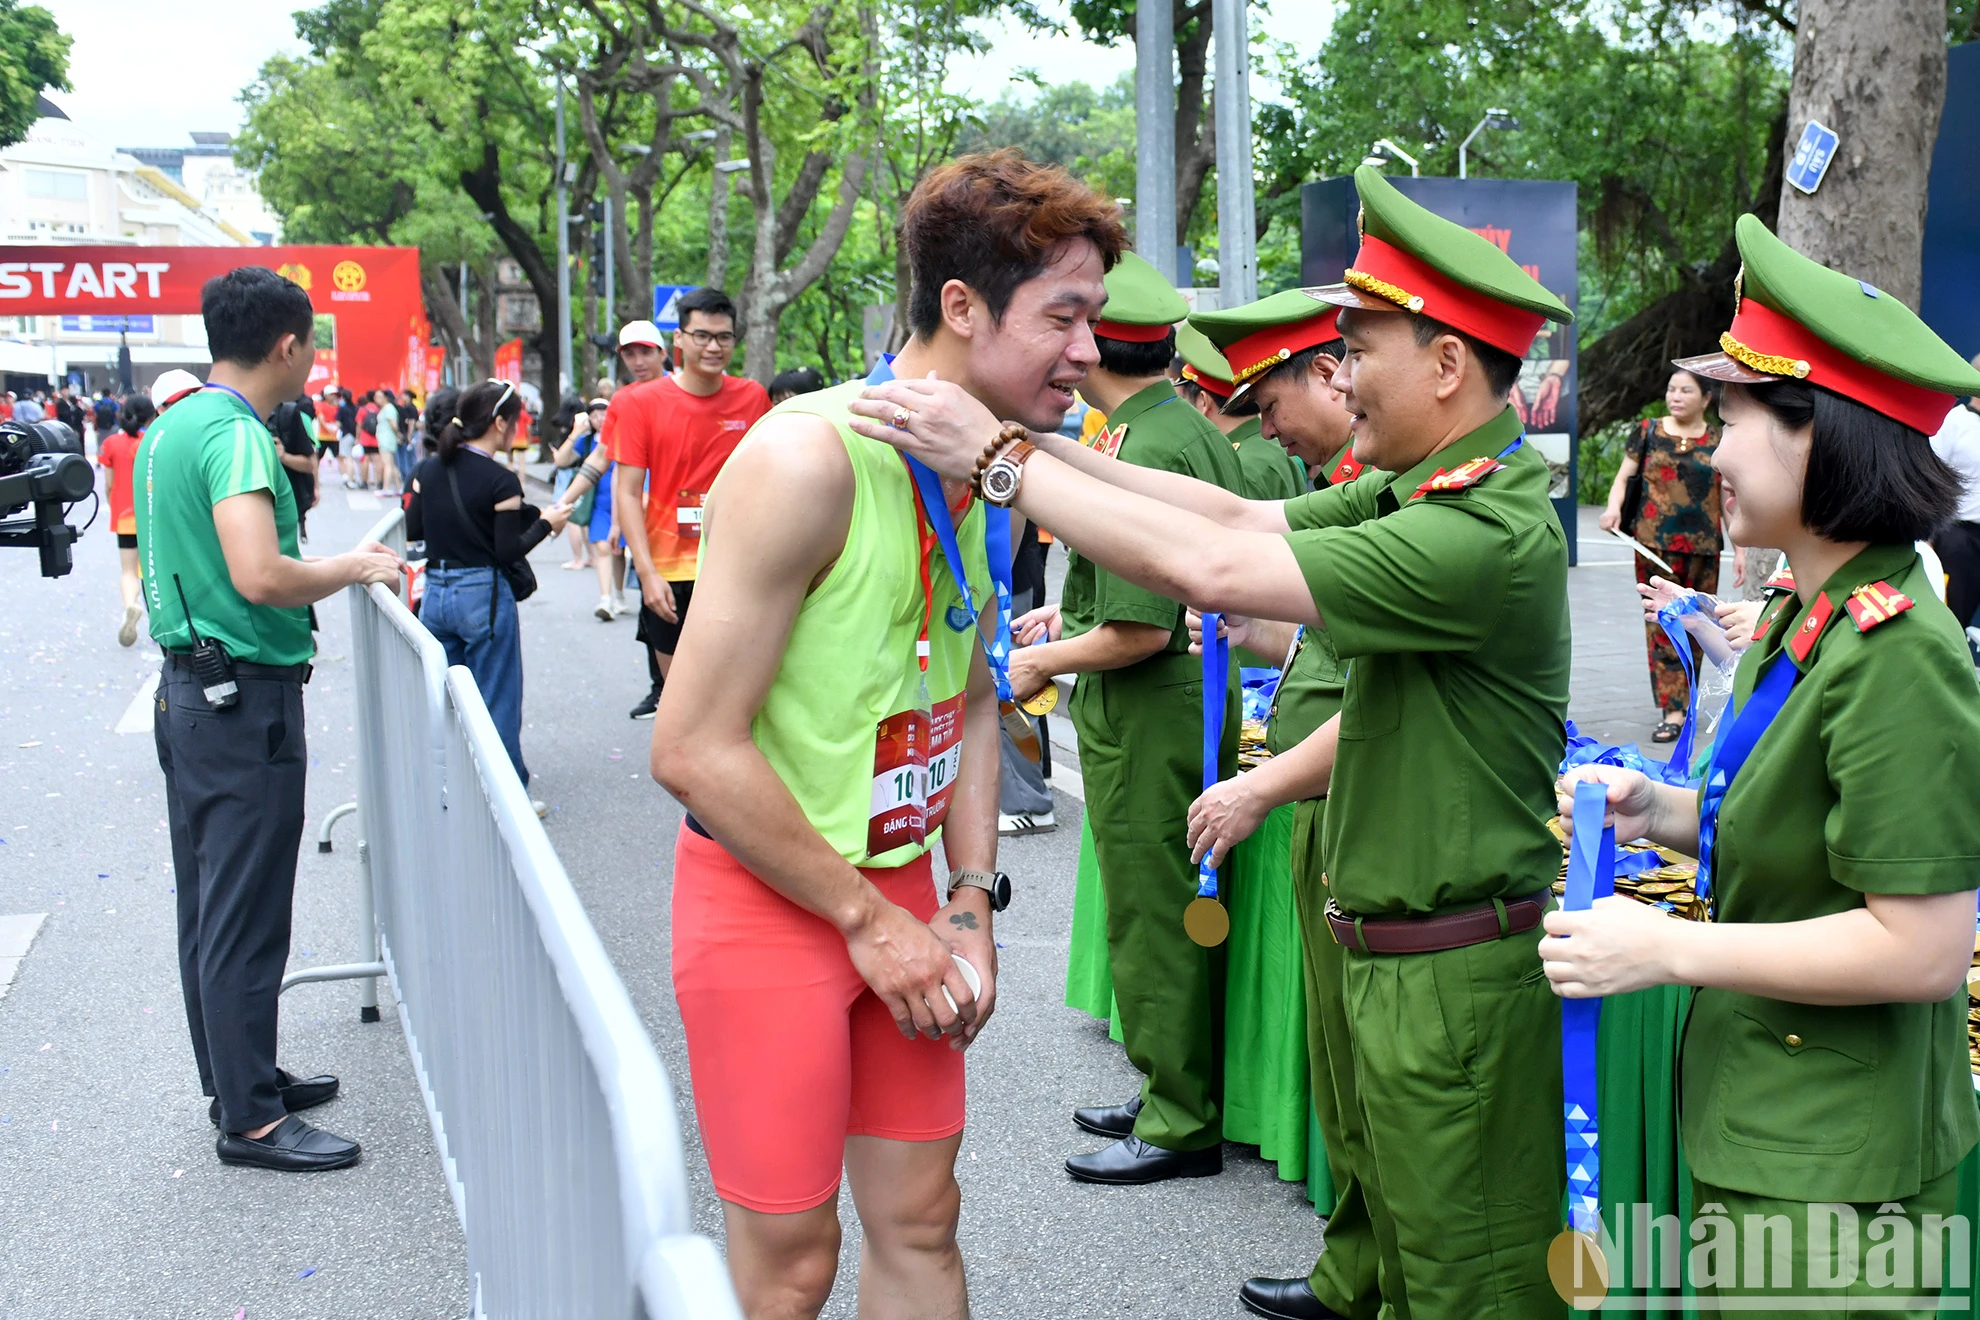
1345, 470
1107, 442
1811, 628
1871, 605
1465, 475
1783, 580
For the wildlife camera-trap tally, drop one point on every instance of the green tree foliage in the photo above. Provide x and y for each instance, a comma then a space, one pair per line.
34, 56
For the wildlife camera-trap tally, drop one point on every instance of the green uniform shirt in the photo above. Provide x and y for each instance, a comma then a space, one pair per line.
1270, 473
1164, 433
1451, 612
208, 447
1863, 784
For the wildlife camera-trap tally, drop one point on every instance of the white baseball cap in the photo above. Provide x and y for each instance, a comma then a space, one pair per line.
171, 386
640, 332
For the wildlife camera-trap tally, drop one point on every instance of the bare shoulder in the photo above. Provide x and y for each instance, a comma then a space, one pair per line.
791, 483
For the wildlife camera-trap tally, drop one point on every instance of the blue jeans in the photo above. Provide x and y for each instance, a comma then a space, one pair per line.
489, 642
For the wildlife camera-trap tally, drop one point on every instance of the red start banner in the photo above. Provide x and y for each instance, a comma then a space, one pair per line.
372, 294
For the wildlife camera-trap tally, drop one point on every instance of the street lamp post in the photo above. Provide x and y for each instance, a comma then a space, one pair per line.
563, 254
1494, 118
1237, 235
1386, 150
1155, 135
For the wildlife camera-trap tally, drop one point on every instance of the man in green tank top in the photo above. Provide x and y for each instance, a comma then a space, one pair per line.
830, 713
1442, 579
1138, 708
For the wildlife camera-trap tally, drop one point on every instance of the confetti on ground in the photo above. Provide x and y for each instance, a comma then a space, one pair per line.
45, 1048
35, 743
177, 1173
306, 1273
241, 1314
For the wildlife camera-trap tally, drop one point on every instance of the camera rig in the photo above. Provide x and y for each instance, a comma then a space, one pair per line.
42, 466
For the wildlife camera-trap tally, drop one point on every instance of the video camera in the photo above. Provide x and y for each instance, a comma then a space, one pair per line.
42, 464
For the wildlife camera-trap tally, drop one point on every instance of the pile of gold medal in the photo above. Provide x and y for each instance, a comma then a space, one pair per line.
1973, 1007
1251, 745
1672, 888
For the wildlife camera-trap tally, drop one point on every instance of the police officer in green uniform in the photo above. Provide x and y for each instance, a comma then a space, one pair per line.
1442, 580
1270, 473
1824, 1079
1138, 709
1287, 349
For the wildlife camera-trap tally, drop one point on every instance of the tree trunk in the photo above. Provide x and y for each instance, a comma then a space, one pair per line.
1876, 75
718, 213
443, 299
1196, 133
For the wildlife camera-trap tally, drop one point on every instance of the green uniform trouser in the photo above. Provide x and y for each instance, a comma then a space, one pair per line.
1761, 1248
1346, 1277
1141, 755
1457, 1059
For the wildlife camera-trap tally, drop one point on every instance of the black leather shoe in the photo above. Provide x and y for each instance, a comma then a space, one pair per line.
292, 1147
1284, 1299
297, 1093
1108, 1120
1132, 1162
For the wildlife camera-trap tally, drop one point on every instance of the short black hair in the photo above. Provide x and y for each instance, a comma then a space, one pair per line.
1299, 364
1124, 357
1500, 367
1870, 477
135, 413
798, 380
707, 301
248, 310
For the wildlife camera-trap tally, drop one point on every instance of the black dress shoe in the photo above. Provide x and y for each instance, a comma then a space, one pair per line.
1132, 1161
297, 1093
1108, 1120
292, 1147
1284, 1299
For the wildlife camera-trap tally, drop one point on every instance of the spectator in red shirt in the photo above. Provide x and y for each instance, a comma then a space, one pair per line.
670, 438
116, 452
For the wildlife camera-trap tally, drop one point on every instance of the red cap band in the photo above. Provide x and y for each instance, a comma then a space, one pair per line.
1258, 353
1131, 334
1769, 341
1209, 384
1431, 293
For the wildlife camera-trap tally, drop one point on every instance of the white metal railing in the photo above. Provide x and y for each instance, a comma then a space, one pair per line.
552, 1113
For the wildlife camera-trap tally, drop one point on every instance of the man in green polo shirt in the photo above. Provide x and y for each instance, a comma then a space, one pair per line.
1138, 708
229, 599
1442, 581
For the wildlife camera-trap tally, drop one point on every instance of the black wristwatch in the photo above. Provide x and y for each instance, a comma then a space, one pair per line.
996, 884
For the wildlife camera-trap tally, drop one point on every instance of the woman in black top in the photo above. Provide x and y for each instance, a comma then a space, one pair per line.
469, 510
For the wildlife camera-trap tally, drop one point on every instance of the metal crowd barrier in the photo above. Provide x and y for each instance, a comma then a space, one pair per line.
551, 1110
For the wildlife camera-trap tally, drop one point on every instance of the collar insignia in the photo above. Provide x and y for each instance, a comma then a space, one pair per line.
1876, 603
1466, 474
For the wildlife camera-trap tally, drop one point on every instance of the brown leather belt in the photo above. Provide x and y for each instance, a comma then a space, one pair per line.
1451, 930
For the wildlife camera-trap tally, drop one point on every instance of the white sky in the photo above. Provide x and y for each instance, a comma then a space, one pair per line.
148, 72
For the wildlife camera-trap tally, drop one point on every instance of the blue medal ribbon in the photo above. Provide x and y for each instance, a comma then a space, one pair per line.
1216, 676
1590, 875
997, 546
1742, 734
1671, 619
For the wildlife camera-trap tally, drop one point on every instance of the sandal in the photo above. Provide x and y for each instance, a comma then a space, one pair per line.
1666, 732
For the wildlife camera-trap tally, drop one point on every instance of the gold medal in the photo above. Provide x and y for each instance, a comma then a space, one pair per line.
1044, 702
1206, 922
1578, 1269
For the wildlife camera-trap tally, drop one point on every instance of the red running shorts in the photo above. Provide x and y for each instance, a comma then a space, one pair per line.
789, 1051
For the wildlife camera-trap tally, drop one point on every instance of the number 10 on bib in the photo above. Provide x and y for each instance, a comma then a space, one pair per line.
916, 757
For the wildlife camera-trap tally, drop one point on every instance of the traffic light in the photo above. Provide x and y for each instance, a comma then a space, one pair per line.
596, 213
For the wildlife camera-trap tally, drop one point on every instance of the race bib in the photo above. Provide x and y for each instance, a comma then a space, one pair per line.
687, 514
916, 757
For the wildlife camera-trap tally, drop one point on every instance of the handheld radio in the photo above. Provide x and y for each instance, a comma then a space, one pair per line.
210, 662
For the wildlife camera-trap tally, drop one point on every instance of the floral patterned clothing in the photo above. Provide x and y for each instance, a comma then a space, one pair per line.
1680, 513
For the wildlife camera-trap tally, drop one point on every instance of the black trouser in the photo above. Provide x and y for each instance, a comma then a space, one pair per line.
1959, 551
234, 798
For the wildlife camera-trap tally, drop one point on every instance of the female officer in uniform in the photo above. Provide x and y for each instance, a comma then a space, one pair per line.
1825, 1093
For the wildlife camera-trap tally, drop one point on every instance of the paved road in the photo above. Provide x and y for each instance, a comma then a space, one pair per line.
110, 1200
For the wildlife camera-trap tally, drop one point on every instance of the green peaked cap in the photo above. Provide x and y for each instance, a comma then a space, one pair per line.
1416, 260
1852, 317
1195, 348
1289, 308
1449, 248
1138, 295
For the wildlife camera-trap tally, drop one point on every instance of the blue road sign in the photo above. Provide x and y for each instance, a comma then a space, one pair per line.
664, 298
1812, 156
